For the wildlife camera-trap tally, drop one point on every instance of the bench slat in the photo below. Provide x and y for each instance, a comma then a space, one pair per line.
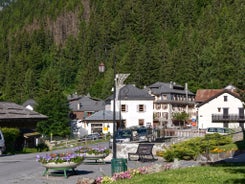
143, 151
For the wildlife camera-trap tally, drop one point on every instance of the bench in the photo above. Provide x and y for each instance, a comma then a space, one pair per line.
144, 153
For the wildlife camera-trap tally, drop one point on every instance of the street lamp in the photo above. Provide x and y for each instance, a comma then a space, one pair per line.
117, 164
102, 69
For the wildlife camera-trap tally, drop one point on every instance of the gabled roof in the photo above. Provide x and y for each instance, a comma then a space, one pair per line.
130, 92
12, 111
85, 103
204, 94
159, 88
103, 115
218, 94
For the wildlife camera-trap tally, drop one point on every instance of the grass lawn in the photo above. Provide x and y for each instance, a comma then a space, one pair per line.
199, 175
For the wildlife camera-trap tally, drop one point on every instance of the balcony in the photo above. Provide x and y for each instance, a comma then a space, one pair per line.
228, 118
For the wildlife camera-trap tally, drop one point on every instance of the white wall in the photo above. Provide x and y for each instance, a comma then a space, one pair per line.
205, 111
132, 115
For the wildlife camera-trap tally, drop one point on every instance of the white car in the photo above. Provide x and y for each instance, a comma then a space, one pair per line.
219, 130
2, 143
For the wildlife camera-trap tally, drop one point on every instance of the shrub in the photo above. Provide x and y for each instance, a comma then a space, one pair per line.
186, 150
42, 147
10, 136
190, 149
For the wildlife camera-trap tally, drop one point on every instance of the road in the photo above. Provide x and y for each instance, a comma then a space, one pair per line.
24, 169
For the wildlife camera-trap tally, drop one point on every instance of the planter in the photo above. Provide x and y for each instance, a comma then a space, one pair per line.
64, 166
96, 157
52, 165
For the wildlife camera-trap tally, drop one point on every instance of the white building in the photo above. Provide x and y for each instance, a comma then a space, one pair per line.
135, 106
171, 98
219, 108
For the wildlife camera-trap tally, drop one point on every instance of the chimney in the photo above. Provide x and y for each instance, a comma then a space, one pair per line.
186, 86
171, 84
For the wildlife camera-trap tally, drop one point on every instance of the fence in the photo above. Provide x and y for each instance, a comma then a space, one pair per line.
183, 133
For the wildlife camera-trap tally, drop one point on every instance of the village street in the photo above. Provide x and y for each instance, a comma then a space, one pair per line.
24, 169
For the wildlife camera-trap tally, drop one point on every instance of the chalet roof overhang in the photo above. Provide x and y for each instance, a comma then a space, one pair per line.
11, 112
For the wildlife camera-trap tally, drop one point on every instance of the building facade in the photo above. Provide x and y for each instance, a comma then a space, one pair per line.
170, 98
223, 108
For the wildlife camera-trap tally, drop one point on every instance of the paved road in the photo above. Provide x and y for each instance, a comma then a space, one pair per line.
23, 169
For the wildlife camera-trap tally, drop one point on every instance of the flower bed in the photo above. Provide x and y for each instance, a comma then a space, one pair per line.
60, 161
59, 158
93, 150
93, 153
131, 173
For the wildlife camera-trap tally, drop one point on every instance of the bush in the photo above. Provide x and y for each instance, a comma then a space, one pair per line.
186, 150
190, 149
10, 136
42, 147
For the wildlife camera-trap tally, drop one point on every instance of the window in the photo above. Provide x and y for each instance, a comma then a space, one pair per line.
141, 108
124, 108
219, 109
141, 122
225, 98
164, 107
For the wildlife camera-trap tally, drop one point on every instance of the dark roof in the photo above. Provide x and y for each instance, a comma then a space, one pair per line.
218, 94
103, 115
159, 88
85, 103
130, 92
11, 111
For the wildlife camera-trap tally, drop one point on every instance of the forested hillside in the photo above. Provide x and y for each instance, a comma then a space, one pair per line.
48, 46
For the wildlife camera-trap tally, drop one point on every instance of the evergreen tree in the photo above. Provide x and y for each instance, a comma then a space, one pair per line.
52, 103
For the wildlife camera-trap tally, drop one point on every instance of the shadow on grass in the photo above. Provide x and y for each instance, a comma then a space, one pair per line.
232, 168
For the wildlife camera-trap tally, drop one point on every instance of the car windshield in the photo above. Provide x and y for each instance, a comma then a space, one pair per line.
122, 134
142, 131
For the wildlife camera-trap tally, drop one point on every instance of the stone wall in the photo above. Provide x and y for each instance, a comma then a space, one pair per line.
124, 148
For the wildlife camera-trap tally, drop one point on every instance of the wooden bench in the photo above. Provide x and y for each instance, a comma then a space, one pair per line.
144, 153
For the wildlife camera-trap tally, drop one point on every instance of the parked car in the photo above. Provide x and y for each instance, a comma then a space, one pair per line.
141, 133
219, 130
2, 143
93, 136
122, 136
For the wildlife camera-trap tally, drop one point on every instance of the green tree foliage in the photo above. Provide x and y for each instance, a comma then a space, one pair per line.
10, 137
52, 103
200, 42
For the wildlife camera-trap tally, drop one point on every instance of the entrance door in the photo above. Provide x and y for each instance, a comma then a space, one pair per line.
225, 113
225, 116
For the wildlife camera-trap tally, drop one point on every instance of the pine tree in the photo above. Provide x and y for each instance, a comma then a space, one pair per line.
52, 103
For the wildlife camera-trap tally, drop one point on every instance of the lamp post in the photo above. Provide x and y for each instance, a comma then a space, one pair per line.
117, 164
102, 69
114, 111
